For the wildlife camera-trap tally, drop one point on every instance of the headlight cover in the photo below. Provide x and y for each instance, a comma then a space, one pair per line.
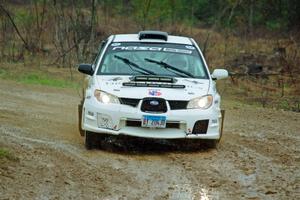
105, 97
203, 102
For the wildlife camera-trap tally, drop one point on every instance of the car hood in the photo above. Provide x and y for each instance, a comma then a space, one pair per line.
114, 85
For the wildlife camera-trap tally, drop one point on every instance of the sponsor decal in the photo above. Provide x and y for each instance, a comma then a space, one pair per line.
190, 47
137, 48
115, 44
141, 48
177, 50
154, 93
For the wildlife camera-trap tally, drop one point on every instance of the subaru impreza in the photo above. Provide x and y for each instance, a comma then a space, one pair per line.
150, 85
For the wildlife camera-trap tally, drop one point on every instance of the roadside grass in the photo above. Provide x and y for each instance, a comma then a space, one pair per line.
4, 153
37, 78
40, 79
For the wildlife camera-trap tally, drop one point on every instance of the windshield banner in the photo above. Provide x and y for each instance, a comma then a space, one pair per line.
116, 47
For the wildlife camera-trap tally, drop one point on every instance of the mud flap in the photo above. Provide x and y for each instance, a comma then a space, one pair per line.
80, 118
222, 123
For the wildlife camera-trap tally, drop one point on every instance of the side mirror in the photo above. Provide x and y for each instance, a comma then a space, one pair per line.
219, 74
86, 69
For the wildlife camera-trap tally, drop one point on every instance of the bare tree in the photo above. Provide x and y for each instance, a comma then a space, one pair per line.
15, 27
146, 13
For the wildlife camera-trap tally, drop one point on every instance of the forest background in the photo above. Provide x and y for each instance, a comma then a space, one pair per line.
256, 40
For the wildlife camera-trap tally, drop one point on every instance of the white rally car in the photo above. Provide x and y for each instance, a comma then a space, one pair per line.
150, 85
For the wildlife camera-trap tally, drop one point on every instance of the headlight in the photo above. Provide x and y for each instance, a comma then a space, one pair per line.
106, 98
203, 102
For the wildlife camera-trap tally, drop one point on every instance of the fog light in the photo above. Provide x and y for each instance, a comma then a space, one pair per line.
200, 127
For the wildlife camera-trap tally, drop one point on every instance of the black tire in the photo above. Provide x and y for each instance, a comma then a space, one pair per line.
80, 118
89, 140
93, 140
222, 124
211, 143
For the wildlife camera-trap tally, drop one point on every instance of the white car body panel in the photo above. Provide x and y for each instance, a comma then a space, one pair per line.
194, 88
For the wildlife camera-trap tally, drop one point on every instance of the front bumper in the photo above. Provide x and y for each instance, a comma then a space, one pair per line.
116, 117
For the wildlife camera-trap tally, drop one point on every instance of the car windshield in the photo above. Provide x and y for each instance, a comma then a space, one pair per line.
160, 59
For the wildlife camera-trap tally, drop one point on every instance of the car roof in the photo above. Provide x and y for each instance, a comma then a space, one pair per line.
135, 38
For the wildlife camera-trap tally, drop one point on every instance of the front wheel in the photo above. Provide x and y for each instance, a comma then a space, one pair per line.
211, 143
93, 140
221, 123
89, 140
80, 118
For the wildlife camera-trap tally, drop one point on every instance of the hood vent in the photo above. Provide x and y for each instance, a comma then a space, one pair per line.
163, 79
153, 81
137, 84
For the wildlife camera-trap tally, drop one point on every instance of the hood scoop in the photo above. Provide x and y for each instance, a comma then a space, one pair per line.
153, 81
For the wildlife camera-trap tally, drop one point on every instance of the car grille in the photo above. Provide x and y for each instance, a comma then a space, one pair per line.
178, 105
174, 105
135, 123
200, 127
129, 101
154, 105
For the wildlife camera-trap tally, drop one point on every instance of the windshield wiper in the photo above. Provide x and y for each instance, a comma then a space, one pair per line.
168, 66
132, 64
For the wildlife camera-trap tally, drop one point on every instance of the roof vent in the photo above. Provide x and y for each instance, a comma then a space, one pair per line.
157, 35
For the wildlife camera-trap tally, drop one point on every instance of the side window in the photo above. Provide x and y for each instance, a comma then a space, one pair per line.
101, 48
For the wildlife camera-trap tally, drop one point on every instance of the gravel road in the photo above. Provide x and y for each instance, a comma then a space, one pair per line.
258, 158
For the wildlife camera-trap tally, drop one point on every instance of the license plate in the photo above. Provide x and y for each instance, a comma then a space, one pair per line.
151, 121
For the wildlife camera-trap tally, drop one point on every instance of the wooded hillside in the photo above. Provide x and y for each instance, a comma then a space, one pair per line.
243, 36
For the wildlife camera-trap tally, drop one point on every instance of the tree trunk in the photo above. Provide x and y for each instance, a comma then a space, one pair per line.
251, 17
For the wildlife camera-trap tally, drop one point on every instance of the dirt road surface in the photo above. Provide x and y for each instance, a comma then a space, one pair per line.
258, 158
